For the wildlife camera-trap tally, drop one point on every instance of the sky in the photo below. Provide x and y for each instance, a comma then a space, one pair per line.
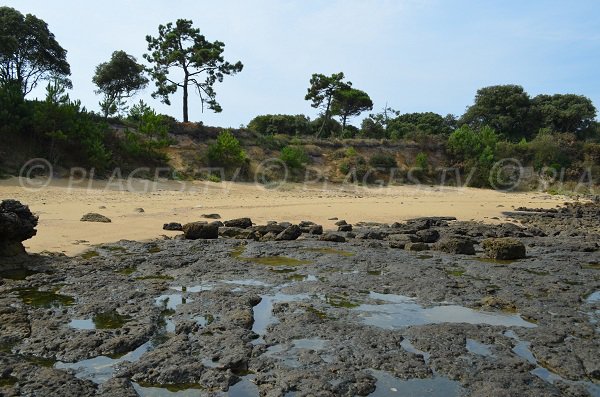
413, 55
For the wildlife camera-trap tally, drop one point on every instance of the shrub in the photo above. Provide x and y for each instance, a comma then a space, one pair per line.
226, 151
422, 162
271, 124
475, 151
294, 157
382, 160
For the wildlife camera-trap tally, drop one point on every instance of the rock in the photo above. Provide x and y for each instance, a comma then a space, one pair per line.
285, 224
243, 223
211, 216
217, 223
290, 233
345, 228
506, 248
497, 303
17, 224
270, 228
95, 217
333, 219
370, 235
341, 223
455, 245
315, 229
200, 230
336, 238
231, 232
306, 224
139, 210
172, 226
398, 244
406, 238
416, 247
429, 235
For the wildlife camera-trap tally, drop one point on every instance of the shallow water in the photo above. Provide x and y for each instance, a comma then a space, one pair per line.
263, 311
48, 299
100, 369
244, 388
481, 349
172, 301
151, 391
288, 354
402, 311
388, 385
83, 324
593, 298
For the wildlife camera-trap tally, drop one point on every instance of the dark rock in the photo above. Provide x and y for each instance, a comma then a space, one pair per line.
429, 235
140, 210
416, 247
17, 224
336, 238
345, 228
306, 224
406, 238
200, 230
341, 223
270, 228
315, 229
211, 216
173, 226
455, 245
285, 224
290, 233
370, 235
268, 237
231, 232
217, 223
504, 248
244, 223
95, 217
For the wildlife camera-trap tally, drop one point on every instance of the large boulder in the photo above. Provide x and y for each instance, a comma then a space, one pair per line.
200, 230
332, 237
17, 224
506, 248
455, 245
243, 223
290, 233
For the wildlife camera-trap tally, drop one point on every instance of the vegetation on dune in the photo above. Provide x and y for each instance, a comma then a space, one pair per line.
554, 134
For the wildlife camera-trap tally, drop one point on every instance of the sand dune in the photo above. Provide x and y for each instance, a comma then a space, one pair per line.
61, 204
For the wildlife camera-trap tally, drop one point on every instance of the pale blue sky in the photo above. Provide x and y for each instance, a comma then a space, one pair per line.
428, 55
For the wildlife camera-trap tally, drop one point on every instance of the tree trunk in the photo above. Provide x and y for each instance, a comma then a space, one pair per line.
325, 118
344, 118
185, 99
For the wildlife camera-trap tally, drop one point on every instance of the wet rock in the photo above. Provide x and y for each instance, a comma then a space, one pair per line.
455, 245
336, 238
17, 224
506, 248
416, 247
243, 223
345, 228
175, 226
211, 216
200, 230
428, 235
290, 233
315, 229
95, 217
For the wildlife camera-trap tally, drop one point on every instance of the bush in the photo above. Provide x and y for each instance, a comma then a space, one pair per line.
382, 160
475, 151
226, 151
294, 157
422, 162
271, 124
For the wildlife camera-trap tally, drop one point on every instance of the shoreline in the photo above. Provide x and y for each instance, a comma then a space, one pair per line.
61, 204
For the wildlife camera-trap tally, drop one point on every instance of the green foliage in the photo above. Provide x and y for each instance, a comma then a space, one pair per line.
294, 157
321, 94
422, 161
118, 79
182, 47
564, 113
549, 150
348, 102
271, 124
326, 128
429, 123
29, 52
382, 160
504, 108
475, 150
227, 151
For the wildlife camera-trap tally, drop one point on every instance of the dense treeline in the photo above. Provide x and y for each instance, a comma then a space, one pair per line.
552, 133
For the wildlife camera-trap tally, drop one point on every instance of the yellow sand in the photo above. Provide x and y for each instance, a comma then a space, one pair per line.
61, 204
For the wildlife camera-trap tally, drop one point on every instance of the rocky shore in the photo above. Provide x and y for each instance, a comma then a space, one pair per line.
431, 306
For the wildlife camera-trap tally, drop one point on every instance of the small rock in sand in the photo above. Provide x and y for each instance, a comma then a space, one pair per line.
95, 217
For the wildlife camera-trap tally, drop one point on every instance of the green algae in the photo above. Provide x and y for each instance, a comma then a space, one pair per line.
458, 272
90, 254
110, 320
48, 299
126, 271
340, 302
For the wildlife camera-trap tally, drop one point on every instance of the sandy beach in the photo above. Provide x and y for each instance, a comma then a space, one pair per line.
61, 204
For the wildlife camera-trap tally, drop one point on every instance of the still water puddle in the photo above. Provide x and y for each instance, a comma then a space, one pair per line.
47, 299
388, 385
481, 349
288, 354
401, 311
408, 346
167, 391
172, 301
263, 312
100, 369
522, 349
